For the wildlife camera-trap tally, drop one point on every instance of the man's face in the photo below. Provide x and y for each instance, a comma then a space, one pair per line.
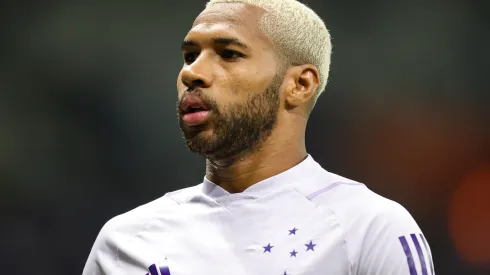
228, 88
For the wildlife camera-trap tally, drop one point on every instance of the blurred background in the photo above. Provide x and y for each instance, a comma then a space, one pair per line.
88, 127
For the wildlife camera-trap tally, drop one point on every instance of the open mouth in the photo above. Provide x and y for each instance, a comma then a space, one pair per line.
192, 110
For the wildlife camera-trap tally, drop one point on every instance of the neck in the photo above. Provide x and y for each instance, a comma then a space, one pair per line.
240, 172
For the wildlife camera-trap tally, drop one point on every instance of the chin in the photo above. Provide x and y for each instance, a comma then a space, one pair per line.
200, 142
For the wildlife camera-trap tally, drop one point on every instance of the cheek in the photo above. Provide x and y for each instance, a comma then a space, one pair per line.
255, 77
235, 84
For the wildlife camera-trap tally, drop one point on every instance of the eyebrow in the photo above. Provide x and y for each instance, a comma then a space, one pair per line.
223, 41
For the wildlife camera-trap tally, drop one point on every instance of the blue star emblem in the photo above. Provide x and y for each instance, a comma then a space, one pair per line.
310, 246
268, 248
293, 253
293, 231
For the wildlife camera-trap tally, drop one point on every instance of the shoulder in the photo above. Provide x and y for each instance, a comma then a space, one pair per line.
359, 210
103, 256
133, 221
353, 202
377, 231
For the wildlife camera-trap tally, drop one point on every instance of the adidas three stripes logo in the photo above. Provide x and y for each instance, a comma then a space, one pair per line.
422, 253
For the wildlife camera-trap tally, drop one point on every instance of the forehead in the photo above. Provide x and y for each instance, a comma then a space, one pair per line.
232, 19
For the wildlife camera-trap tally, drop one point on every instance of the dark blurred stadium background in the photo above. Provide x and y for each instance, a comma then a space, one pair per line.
88, 127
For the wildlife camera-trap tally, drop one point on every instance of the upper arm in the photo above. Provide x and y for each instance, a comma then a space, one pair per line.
395, 245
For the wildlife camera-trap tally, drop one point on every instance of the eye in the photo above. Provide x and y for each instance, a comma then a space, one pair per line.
190, 57
231, 54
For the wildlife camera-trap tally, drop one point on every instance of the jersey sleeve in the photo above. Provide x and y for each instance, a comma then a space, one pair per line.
103, 255
395, 245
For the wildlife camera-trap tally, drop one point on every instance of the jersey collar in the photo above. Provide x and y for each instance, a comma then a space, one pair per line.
295, 174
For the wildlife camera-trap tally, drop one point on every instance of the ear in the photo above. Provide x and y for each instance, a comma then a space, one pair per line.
302, 85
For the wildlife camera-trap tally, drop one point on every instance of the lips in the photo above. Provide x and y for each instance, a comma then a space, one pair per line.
192, 103
197, 118
194, 110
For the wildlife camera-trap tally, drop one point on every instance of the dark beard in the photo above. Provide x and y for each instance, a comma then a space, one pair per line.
239, 128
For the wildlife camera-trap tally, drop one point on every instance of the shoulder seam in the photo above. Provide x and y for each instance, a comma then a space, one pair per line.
344, 237
331, 186
179, 192
177, 202
143, 228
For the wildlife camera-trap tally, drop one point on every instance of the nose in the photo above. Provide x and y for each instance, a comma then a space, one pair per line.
198, 73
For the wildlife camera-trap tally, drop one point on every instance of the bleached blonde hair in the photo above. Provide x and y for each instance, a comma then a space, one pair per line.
296, 31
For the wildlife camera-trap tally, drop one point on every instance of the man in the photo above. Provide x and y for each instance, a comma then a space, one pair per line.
252, 72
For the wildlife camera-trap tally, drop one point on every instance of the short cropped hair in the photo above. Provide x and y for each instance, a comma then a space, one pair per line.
297, 32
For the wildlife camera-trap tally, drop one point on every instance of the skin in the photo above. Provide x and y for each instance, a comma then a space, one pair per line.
244, 87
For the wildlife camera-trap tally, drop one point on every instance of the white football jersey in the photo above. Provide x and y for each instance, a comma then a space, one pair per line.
304, 221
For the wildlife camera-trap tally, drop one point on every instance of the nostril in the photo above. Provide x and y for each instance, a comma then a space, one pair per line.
198, 82
191, 85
